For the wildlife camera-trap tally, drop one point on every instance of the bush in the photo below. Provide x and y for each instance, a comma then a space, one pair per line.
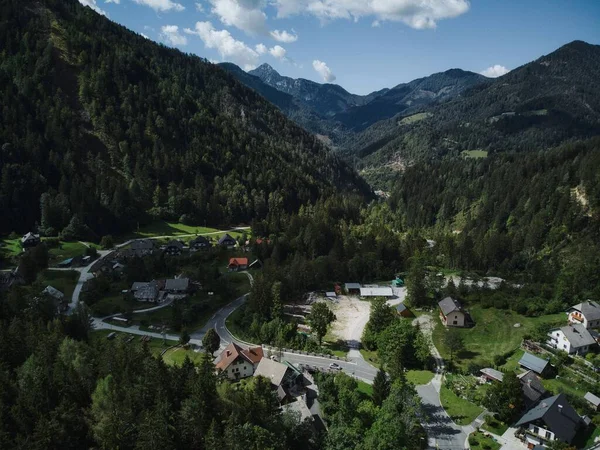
107, 242
52, 242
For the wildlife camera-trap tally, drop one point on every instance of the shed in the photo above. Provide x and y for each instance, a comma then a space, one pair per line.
492, 374
402, 310
330, 295
531, 362
592, 400
53, 292
66, 263
376, 292
352, 288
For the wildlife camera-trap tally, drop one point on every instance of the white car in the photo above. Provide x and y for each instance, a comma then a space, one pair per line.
335, 366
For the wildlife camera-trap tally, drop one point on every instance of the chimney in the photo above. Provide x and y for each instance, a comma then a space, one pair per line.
560, 407
228, 352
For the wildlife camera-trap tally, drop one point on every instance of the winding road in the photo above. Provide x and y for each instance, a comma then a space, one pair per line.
442, 431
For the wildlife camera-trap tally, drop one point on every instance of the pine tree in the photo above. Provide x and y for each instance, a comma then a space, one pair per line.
381, 387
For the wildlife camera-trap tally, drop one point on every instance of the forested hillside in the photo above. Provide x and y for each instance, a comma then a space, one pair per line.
539, 105
110, 128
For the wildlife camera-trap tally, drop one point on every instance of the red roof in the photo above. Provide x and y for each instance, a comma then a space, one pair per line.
238, 262
234, 351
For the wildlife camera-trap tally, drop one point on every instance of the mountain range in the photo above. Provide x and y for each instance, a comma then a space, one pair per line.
538, 105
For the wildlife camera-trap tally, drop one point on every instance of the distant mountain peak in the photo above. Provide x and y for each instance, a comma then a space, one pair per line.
264, 70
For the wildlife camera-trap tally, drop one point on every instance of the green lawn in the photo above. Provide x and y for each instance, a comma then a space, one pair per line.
476, 154
494, 426
156, 346
63, 280
176, 356
116, 303
418, 377
365, 389
10, 247
460, 410
370, 356
493, 334
563, 385
65, 250
414, 118
478, 441
512, 363
162, 228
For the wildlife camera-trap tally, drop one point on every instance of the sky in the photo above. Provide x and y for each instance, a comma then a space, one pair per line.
362, 45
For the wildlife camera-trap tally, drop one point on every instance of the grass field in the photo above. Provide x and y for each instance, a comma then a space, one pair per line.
156, 346
512, 363
476, 154
494, 333
460, 410
414, 118
162, 228
10, 247
65, 250
478, 441
176, 356
365, 389
418, 377
494, 426
63, 280
563, 385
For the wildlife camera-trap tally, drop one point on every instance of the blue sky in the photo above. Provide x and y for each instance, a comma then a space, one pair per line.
362, 45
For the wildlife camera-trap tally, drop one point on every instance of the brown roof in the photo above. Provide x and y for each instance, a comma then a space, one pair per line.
254, 354
238, 262
234, 351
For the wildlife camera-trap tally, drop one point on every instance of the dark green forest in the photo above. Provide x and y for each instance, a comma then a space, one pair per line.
109, 127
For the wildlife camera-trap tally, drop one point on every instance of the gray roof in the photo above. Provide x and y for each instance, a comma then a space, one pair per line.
590, 309
493, 373
300, 407
200, 240
144, 291
142, 244
449, 305
578, 336
176, 243
272, 370
400, 307
352, 286
30, 236
594, 400
558, 415
532, 388
538, 365
177, 284
225, 238
53, 292
376, 292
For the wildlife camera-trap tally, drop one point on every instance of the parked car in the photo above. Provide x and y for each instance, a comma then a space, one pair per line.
335, 366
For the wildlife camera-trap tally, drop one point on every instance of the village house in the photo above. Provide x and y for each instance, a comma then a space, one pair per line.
237, 264
227, 241
10, 278
284, 377
532, 387
452, 313
30, 240
586, 314
57, 297
177, 286
574, 339
147, 291
174, 248
537, 365
199, 243
489, 374
142, 247
375, 291
552, 419
237, 363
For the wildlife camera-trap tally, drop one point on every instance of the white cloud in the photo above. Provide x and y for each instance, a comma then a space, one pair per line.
261, 49
323, 70
494, 71
376, 24
284, 36
278, 52
171, 35
417, 14
199, 7
229, 48
247, 15
117, 2
161, 5
144, 35
92, 4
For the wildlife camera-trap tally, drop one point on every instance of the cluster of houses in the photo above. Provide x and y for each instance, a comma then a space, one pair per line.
157, 291
295, 389
579, 336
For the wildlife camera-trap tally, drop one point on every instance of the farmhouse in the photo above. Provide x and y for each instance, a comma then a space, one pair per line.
142, 247
237, 264
30, 240
552, 419
452, 313
237, 363
200, 243
60, 303
227, 241
586, 314
146, 291
532, 387
531, 362
574, 339
174, 248
177, 286
376, 292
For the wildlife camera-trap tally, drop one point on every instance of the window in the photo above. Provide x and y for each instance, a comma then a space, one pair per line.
455, 322
564, 345
536, 430
548, 435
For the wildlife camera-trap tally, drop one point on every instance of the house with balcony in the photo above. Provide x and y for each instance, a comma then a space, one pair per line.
553, 419
237, 363
586, 313
574, 339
